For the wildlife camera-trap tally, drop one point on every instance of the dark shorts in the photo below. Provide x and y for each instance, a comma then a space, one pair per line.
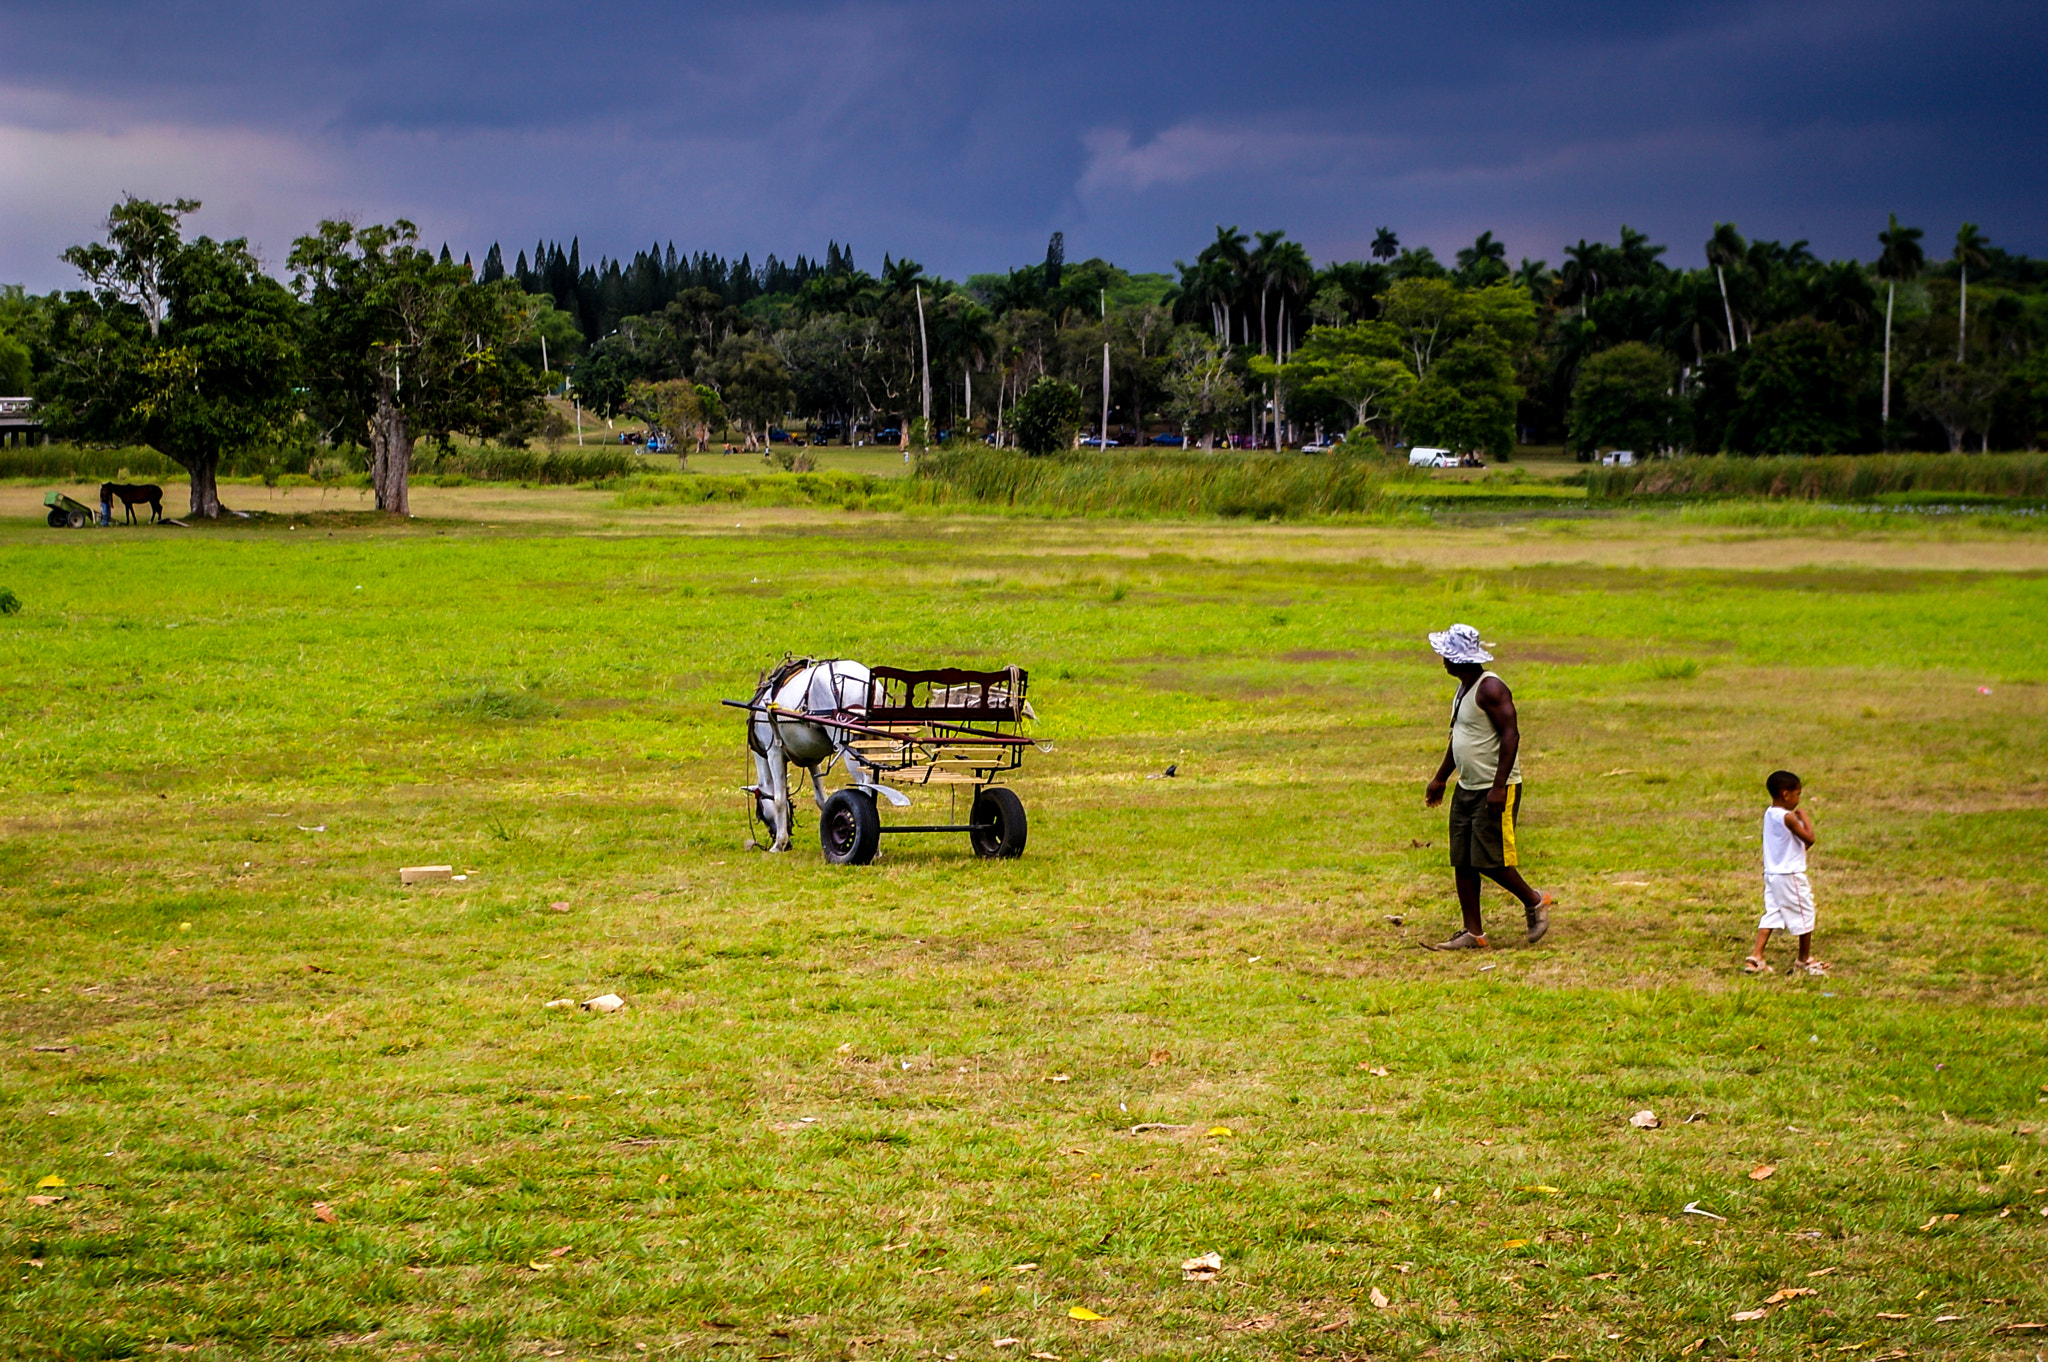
1482, 839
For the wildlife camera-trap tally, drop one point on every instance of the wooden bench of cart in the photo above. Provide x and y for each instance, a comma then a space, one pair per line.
943, 726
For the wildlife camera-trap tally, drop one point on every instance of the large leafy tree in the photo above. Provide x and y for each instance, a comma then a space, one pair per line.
1202, 390
1048, 416
1625, 399
1900, 258
403, 346
1795, 392
1359, 366
184, 346
1468, 400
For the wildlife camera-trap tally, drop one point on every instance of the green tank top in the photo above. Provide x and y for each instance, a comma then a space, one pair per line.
1475, 743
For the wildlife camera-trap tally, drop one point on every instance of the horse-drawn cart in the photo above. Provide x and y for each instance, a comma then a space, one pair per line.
891, 727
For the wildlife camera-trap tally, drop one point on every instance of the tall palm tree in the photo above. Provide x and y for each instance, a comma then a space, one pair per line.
1583, 274
1970, 244
1901, 258
1724, 248
1258, 274
1535, 276
1484, 261
1385, 245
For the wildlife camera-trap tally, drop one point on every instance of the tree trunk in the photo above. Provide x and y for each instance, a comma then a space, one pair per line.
1726, 310
1962, 313
1885, 414
391, 456
205, 490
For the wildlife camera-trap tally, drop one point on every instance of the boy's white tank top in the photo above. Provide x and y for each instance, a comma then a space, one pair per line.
1475, 743
1784, 853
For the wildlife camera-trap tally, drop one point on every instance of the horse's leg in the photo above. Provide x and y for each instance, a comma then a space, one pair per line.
775, 778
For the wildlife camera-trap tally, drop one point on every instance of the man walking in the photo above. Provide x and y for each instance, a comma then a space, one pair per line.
1485, 750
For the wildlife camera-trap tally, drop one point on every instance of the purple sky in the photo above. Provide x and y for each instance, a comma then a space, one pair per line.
962, 135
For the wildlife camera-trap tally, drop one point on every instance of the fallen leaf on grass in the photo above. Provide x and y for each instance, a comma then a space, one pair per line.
1377, 1070
1762, 1171
1745, 1316
1645, 1120
1786, 1293
1047, 1357
1934, 1220
1202, 1269
1218, 1131
1148, 1127
45, 1200
1823, 1272
1516, 1243
1603, 1276
561, 1252
1083, 1312
324, 1213
1254, 1326
1332, 1327
1887, 1314
1544, 1188
2023, 1328
538, 1266
1379, 1299
1947, 1319
1693, 1208
52, 1181
1006, 1343
557, 1004
1023, 1267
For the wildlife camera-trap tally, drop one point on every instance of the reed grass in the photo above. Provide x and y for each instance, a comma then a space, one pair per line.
474, 463
1156, 482
1827, 477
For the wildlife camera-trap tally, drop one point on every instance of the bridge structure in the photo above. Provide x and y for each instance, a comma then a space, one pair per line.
19, 424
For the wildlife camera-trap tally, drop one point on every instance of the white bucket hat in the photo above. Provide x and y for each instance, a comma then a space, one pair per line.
1460, 643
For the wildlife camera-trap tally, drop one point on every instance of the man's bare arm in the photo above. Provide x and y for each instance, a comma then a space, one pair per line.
1434, 795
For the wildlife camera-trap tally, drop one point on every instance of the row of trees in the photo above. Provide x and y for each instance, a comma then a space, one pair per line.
374, 341
1762, 348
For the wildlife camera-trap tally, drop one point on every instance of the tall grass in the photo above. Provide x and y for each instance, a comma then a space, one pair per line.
1156, 482
77, 463
1827, 477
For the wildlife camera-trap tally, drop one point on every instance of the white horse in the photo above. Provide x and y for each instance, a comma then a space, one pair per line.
781, 730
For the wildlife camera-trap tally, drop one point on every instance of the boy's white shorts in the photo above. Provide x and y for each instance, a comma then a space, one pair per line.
1788, 904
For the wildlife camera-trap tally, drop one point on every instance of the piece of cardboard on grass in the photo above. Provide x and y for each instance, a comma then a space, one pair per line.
416, 874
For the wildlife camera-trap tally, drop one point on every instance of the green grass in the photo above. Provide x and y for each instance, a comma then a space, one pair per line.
843, 1108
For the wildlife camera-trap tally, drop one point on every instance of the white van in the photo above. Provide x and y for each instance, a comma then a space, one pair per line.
1422, 456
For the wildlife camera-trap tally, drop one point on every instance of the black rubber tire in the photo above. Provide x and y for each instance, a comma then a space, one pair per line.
78, 520
1004, 839
850, 829
57, 519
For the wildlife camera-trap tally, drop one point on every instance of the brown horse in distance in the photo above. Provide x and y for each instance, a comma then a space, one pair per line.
130, 493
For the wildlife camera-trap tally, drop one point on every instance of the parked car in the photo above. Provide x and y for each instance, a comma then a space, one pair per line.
1322, 446
1171, 440
1626, 458
1096, 442
1426, 456
889, 435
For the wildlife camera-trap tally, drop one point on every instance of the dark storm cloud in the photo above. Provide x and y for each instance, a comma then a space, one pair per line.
963, 135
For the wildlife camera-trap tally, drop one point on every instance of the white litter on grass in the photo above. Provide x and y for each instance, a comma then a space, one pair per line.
560, 1002
605, 1002
1693, 1208
304, 828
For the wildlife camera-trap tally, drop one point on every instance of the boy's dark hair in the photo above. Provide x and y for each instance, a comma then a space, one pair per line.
1778, 782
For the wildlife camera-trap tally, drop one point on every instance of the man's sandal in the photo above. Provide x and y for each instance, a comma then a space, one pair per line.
1539, 919
1463, 941
1754, 965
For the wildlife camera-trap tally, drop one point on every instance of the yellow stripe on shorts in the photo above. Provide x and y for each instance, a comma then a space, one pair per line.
1507, 826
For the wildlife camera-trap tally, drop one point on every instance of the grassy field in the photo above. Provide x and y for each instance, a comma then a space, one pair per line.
300, 1111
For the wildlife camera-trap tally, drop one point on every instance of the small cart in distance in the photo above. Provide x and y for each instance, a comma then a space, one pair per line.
66, 512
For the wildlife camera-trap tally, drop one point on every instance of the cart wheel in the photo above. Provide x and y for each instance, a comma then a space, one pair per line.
57, 519
1004, 812
78, 520
850, 829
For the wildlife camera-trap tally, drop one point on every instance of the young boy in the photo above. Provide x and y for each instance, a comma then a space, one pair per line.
1788, 898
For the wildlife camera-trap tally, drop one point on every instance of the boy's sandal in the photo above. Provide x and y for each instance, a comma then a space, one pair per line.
1815, 969
1754, 966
